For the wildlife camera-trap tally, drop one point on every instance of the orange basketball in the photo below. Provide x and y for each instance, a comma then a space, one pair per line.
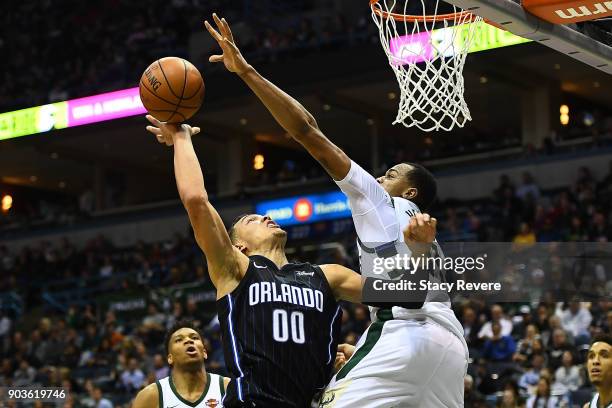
172, 89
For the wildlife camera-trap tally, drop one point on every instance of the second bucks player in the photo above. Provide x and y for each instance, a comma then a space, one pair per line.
411, 356
189, 384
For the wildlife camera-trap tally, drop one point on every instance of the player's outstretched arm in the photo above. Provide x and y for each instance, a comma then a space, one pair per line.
287, 111
344, 282
148, 397
226, 264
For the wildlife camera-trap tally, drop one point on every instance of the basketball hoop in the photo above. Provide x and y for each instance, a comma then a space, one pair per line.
427, 52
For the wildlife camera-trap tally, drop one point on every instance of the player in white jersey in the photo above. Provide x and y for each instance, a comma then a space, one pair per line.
599, 366
189, 385
409, 357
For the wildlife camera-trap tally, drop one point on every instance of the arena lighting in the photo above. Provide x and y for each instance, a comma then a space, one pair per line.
7, 202
74, 112
418, 47
564, 117
258, 162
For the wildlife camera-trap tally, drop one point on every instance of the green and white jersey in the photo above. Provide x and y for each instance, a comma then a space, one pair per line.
210, 398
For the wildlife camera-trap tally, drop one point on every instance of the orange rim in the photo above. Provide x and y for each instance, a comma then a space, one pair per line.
466, 15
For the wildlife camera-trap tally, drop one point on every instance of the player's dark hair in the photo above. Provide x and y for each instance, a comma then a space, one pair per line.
181, 324
603, 338
231, 231
421, 179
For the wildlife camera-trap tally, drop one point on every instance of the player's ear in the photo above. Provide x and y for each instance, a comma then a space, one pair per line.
410, 194
170, 360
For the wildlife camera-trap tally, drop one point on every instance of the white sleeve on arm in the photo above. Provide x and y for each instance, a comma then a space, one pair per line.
372, 207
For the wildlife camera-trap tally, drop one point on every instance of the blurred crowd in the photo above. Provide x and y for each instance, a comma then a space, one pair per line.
49, 63
521, 352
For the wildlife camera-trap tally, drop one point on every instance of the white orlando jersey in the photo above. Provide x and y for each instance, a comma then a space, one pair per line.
210, 398
380, 220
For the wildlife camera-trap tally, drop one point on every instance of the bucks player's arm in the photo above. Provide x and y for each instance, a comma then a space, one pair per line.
226, 264
288, 112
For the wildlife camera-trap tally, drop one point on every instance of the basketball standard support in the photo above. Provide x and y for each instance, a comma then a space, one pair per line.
512, 17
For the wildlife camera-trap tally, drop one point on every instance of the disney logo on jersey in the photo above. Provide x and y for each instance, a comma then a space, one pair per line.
303, 273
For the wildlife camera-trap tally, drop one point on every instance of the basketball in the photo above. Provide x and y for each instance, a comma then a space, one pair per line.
172, 89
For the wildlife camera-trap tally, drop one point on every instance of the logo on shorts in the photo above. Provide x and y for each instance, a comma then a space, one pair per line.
327, 399
212, 403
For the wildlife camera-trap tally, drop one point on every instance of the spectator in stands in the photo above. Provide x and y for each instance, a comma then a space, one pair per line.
24, 375
132, 378
558, 346
576, 320
193, 314
177, 314
497, 316
600, 311
471, 396
161, 368
543, 398
104, 355
472, 224
520, 326
471, 327
525, 346
106, 270
99, 400
38, 349
499, 348
576, 231
510, 397
599, 229
6, 372
524, 237
91, 339
568, 375
530, 378
153, 324
5, 328
504, 185
554, 323
528, 188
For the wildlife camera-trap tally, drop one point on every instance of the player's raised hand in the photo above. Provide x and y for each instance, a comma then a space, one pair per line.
421, 229
231, 57
166, 132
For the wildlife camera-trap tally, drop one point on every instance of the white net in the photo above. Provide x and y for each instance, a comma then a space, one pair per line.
427, 58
